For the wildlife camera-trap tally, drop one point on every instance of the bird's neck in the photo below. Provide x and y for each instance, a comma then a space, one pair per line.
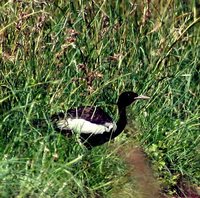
121, 123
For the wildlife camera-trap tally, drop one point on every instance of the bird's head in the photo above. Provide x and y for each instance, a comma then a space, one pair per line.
128, 97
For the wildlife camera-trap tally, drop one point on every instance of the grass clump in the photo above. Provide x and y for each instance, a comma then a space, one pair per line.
59, 54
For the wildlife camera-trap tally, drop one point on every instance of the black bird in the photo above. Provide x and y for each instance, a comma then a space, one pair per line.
94, 126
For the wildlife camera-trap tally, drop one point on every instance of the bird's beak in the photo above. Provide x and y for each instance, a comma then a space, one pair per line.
142, 97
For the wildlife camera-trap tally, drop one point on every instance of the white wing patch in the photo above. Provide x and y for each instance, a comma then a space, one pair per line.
83, 126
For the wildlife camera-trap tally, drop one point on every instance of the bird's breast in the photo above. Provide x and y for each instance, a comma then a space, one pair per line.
79, 125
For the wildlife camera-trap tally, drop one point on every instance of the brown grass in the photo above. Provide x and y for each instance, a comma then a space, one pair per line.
139, 181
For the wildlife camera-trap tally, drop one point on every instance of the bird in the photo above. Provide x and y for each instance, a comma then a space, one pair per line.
93, 125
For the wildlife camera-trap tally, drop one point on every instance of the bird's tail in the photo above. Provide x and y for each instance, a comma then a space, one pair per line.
40, 123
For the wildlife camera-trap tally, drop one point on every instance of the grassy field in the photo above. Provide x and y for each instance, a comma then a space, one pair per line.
55, 55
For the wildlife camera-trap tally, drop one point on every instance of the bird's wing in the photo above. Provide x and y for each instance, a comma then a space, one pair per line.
93, 114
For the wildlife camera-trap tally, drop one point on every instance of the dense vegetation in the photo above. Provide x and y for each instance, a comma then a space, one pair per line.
55, 55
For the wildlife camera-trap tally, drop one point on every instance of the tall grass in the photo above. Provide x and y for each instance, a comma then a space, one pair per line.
55, 55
